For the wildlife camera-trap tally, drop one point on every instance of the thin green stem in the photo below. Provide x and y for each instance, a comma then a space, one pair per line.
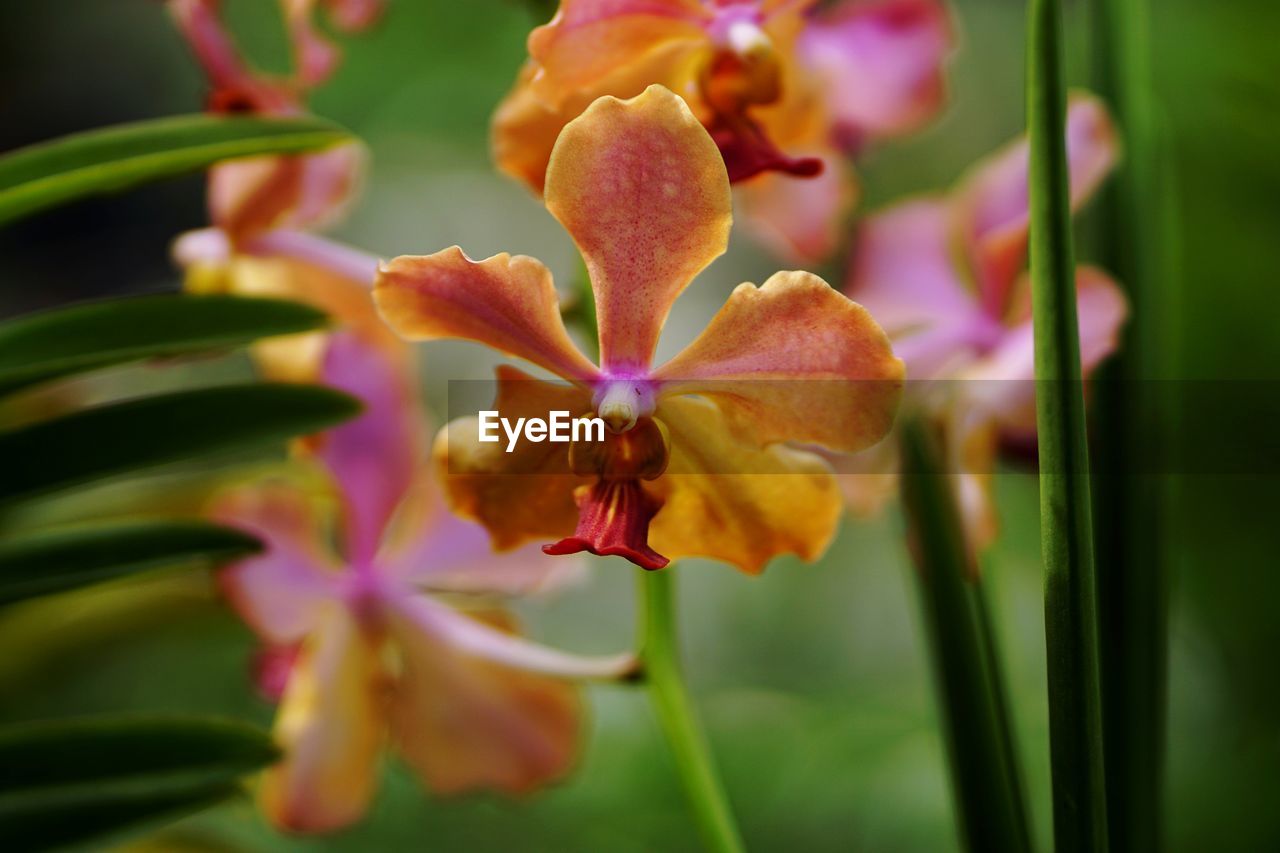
986, 780
1071, 621
676, 716
1129, 512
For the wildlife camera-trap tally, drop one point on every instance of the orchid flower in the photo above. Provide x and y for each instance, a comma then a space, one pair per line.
945, 275
785, 90
693, 462
363, 649
263, 207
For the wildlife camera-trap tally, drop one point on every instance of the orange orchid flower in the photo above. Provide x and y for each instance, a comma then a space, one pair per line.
786, 90
695, 461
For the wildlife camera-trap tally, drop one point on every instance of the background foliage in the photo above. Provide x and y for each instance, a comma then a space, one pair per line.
813, 679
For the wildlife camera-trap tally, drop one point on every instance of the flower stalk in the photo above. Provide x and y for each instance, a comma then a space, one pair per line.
679, 722
1071, 619
985, 777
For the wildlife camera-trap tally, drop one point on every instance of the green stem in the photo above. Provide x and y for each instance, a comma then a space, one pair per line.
1071, 622
661, 656
985, 777
1129, 512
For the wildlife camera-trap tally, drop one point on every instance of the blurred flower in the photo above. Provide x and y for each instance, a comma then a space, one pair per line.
361, 648
945, 276
784, 88
693, 453
261, 206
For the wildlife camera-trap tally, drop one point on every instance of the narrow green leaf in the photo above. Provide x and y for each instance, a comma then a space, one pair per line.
121, 157
138, 434
1131, 417
1071, 618
986, 779
76, 781
58, 560
52, 344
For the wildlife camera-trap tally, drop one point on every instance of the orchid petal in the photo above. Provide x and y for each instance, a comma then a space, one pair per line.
440, 551
641, 188
738, 502
464, 723
793, 360
800, 220
257, 194
374, 456
991, 205
1004, 380
468, 636
880, 63
589, 40
330, 726
903, 273
505, 302
280, 592
522, 495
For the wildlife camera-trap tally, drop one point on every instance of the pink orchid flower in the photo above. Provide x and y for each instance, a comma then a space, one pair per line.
261, 207
786, 90
945, 276
694, 462
362, 648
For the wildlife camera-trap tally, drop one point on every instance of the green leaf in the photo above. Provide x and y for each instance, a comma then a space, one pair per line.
986, 779
125, 156
75, 781
58, 560
52, 344
1066, 531
121, 437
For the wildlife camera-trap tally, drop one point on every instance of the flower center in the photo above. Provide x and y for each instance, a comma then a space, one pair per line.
622, 402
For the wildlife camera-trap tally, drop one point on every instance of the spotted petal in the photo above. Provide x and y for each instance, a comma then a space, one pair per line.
735, 501
793, 360
641, 188
506, 302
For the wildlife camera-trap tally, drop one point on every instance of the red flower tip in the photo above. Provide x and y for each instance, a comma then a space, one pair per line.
748, 151
613, 521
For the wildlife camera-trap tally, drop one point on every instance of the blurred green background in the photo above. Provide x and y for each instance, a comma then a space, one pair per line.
812, 678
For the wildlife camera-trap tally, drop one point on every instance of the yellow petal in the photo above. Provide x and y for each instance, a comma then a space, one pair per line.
330, 725
794, 360
738, 502
641, 188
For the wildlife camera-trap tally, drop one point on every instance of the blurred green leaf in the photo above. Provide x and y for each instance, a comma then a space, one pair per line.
74, 781
53, 344
57, 560
113, 439
121, 157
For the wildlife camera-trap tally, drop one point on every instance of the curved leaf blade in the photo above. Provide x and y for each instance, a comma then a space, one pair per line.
52, 344
74, 781
114, 439
59, 560
117, 158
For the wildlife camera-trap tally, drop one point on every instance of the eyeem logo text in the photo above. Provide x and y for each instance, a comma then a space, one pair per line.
559, 427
